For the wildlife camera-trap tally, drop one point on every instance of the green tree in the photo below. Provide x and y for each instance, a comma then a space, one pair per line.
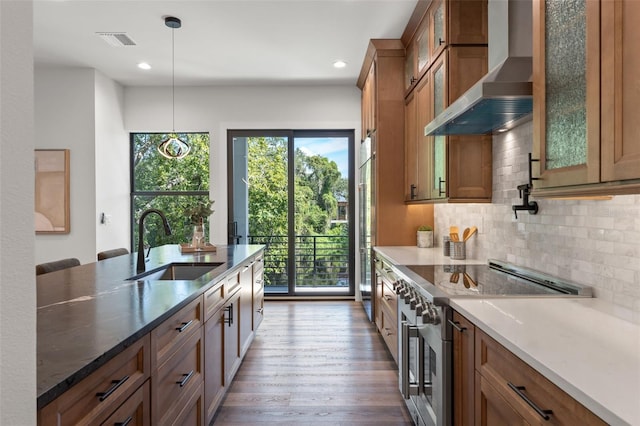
172, 186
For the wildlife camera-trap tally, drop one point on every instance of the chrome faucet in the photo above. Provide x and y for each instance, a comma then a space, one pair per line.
167, 231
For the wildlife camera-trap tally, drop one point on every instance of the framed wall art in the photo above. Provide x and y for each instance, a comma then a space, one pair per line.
52, 191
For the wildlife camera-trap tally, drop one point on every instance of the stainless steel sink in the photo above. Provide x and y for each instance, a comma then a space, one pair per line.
178, 271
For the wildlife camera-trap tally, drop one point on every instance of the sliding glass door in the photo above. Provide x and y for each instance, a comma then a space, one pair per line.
291, 190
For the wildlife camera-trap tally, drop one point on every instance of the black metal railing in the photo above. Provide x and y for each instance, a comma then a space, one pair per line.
320, 260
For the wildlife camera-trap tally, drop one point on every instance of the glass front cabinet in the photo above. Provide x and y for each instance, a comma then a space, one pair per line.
586, 97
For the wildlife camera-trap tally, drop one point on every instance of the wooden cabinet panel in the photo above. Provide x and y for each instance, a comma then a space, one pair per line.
463, 371
177, 380
97, 396
566, 98
620, 91
192, 413
245, 311
258, 293
510, 376
214, 384
492, 409
388, 207
232, 354
411, 149
169, 335
214, 299
135, 411
467, 22
470, 168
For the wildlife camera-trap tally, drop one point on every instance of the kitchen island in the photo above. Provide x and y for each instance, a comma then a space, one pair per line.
88, 315
587, 347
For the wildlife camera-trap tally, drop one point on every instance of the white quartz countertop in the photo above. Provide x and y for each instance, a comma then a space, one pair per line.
412, 255
587, 347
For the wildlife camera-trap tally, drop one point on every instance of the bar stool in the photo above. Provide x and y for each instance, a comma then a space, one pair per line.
112, 253
45, 268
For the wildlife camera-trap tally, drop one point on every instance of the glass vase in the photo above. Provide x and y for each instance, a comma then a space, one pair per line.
198, 239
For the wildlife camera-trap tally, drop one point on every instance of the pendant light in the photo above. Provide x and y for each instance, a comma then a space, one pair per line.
173, 147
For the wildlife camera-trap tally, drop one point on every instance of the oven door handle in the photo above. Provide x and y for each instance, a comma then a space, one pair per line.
407, 387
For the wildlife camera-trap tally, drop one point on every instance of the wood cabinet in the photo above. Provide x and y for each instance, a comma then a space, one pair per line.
382, 83
509, 391
438, 24
386, 305
178, 372
99, 396
245, 307
135, 410
214, 378
177, 380
586, 98
232, 350
456, 168
463, 371
258, 292
493, 387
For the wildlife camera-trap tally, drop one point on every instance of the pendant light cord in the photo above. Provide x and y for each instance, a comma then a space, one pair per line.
173, 80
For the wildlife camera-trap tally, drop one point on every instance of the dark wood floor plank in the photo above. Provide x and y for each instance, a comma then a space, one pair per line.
318, 363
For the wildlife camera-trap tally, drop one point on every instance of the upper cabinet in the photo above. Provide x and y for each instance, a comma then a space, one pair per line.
451, 168
383, 120
442, 23
586, 97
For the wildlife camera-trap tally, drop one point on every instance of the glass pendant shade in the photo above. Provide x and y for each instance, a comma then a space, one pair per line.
174, 147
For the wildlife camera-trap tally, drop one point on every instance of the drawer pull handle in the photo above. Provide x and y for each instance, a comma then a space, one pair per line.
520, 391
388, 331
260, 311
229, 320
186, 378
185, 325
456, 325
115, 384
125, 423
388, 298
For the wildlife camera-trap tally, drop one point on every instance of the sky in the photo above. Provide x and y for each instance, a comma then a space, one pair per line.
335, 149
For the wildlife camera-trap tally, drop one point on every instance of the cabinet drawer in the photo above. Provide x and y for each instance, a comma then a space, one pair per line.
213, 299
177, 379
97, 396
517, 382
193, 412
135, 411
389, 332
166, 338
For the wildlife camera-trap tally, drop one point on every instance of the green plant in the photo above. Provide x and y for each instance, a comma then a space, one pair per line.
425, 228
199, 211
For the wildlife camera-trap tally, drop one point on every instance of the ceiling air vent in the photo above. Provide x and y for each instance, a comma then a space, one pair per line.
117, 39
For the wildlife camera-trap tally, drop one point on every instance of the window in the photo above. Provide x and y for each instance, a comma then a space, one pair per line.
169, 185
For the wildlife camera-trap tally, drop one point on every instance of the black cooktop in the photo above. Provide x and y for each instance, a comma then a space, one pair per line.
484, 280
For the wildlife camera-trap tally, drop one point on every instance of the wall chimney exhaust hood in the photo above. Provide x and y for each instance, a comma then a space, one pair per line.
504, 97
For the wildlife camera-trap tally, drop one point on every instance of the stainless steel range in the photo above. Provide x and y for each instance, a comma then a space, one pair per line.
426, 329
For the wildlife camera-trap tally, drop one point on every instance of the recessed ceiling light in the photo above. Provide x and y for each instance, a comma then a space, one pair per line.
339, 64
144, 66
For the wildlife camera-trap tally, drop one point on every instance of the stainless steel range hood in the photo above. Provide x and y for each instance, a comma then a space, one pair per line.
502, 98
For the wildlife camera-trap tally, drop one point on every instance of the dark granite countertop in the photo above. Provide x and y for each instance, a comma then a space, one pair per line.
88, 314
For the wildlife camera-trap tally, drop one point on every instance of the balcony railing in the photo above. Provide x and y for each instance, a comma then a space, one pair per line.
320, 260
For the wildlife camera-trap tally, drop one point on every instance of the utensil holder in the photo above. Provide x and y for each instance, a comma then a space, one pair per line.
446, 248
458, 250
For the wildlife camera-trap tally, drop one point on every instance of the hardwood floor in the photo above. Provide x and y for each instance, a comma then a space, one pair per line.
315, 362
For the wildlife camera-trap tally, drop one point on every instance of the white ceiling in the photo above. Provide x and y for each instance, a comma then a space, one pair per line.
221, 42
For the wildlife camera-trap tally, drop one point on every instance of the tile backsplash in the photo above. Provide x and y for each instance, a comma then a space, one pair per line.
593, 242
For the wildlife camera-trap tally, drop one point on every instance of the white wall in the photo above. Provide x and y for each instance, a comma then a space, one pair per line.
17, 279
217, 109
111, 166
591, 242
65, 118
